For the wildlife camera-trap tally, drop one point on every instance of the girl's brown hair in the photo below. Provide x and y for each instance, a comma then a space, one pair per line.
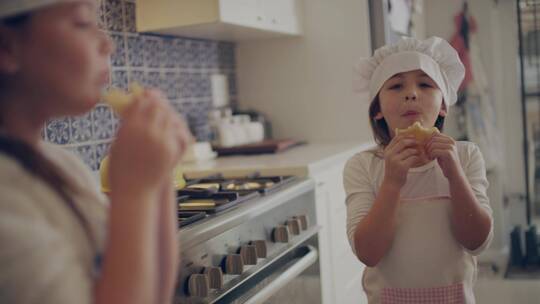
381, 133
34, 162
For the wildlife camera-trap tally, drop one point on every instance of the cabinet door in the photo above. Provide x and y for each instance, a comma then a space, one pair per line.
325, 251
242, 12
345, 271
281, 15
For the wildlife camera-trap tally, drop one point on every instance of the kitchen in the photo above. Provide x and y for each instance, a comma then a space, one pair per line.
292, 62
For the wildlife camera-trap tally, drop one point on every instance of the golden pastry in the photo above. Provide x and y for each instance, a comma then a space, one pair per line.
420, 133
118, 99
197, 204
204, 186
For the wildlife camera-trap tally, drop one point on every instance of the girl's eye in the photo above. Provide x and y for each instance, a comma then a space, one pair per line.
394, 86
426, 85
86, 23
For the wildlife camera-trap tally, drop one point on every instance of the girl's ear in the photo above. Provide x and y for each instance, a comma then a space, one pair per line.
379, 116
8, 55
443, 112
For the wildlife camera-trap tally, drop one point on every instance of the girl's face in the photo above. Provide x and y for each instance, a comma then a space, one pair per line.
61, 58
409, 97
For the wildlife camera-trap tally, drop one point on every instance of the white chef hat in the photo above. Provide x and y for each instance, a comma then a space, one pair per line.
436, 57
11, 8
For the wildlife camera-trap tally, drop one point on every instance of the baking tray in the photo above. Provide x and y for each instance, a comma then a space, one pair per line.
187, 217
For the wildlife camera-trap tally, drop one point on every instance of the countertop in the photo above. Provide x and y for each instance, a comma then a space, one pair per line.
303, 160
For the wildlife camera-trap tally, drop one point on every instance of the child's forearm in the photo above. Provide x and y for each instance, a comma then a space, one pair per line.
167, 245
375, 233
471, 223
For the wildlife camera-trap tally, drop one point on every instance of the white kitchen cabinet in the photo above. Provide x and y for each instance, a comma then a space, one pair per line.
340, 270
220, 19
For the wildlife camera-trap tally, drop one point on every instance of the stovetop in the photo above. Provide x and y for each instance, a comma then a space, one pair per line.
215, 194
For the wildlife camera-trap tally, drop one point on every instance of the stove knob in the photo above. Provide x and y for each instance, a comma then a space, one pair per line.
260, 246
215, 277
249, 254
198, 285
233, 264
304, 221
294, 226
281, 234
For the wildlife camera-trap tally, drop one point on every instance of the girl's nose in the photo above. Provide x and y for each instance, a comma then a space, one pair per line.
107, 45
410, 97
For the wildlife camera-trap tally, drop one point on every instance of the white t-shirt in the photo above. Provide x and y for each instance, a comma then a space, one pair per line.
45, 253
364, 173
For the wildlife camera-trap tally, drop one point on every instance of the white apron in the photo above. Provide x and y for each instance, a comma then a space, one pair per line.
425, 264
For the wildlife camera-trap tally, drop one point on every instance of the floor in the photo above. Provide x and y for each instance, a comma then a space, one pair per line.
492, 288
499, 291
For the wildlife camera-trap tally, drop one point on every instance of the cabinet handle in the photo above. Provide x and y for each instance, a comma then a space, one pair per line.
259, 18
320, 184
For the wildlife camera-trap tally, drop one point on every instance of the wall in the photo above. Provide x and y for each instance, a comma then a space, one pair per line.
180, 67
304, 84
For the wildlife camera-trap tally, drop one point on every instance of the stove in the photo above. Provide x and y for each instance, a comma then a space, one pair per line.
214, 194
247, 240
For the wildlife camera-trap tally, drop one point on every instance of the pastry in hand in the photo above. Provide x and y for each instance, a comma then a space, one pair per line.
421, 134
118, 99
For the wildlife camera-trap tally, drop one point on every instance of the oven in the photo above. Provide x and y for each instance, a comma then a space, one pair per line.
262, 249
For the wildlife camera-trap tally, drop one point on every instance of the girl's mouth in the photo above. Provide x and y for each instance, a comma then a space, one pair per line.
410, 114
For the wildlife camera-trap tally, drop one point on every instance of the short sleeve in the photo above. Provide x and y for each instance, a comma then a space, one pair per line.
475, 170
38, 265
359, 192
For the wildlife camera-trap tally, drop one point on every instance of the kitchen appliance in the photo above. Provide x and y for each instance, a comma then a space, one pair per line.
257, 242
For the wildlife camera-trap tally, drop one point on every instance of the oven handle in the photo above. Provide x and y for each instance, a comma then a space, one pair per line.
292, 272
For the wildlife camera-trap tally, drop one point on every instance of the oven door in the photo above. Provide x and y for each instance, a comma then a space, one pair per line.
291, 277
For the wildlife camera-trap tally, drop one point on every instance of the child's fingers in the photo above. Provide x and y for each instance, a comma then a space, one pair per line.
439, 146
408, 153
403, 144
410, 161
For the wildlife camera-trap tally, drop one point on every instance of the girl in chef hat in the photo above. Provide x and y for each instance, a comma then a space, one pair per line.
59, 241
417, 209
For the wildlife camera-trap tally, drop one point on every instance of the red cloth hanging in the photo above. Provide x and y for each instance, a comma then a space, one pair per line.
460, 42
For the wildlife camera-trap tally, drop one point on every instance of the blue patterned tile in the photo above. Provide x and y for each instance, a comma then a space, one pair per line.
153, 79
153, 52
211, 58
119, 79
135, 49
137, 76
87, 154
181, 51
231, 78
81, 128
103, 123
201, 85
171, 57
208, 48
171, 81
197, 117
226, 55
114, 16
58, 131
118, 57
101, 16
129, 17
184, 85
101, 151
